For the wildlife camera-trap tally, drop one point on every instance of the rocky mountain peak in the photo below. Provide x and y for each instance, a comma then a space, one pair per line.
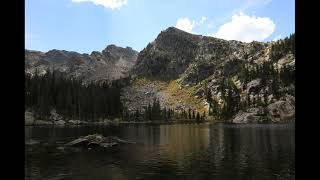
176, 54
115, 53
112, 63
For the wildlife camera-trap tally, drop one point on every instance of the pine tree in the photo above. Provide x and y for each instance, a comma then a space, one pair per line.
137, 115
198, 117
204, 115
193, 115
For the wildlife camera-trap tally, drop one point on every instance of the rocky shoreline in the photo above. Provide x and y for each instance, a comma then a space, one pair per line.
56, 119
277, 112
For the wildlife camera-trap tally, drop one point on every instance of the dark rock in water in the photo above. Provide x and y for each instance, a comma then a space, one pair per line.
95, 141
120, 141
107, 145
78, 142
93, 145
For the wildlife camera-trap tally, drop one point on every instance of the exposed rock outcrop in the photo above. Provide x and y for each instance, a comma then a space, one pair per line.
280, 111
247, 117
253, 86
283, 110
251, 115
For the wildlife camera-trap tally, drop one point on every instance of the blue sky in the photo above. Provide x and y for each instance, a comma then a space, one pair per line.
88, 25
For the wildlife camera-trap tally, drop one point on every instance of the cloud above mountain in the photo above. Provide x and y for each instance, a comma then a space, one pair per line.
185, 24
188, 25
112, 4
246, 28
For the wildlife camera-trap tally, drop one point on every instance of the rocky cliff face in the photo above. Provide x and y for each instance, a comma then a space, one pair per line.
112, 63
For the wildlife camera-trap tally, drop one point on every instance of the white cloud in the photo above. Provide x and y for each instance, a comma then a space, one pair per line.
203, 19
277, 38
185, 24
112, 4
246, 28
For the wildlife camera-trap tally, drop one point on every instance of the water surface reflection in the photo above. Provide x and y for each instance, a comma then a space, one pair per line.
180, 151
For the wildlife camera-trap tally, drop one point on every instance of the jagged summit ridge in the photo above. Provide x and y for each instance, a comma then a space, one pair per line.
112, 63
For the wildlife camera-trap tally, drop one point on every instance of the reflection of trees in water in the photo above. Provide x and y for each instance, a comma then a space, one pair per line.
146, 134
249, 151
182, 140
167, 150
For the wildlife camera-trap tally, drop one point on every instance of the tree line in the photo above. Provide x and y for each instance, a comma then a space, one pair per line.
283, 47
154, 112
70, 97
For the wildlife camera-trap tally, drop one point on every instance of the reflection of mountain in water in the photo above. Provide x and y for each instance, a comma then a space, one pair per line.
181, 141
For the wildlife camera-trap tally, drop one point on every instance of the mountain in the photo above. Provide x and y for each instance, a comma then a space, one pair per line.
192, 58
179, 68
112, 63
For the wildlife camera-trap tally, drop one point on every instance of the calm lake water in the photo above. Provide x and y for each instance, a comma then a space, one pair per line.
180, 151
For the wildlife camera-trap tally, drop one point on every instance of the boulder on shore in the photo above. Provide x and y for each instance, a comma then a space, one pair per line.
54, 115
249, 117
74, 122
60, 122
283, 110
279, 111
28, 118
42, 122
